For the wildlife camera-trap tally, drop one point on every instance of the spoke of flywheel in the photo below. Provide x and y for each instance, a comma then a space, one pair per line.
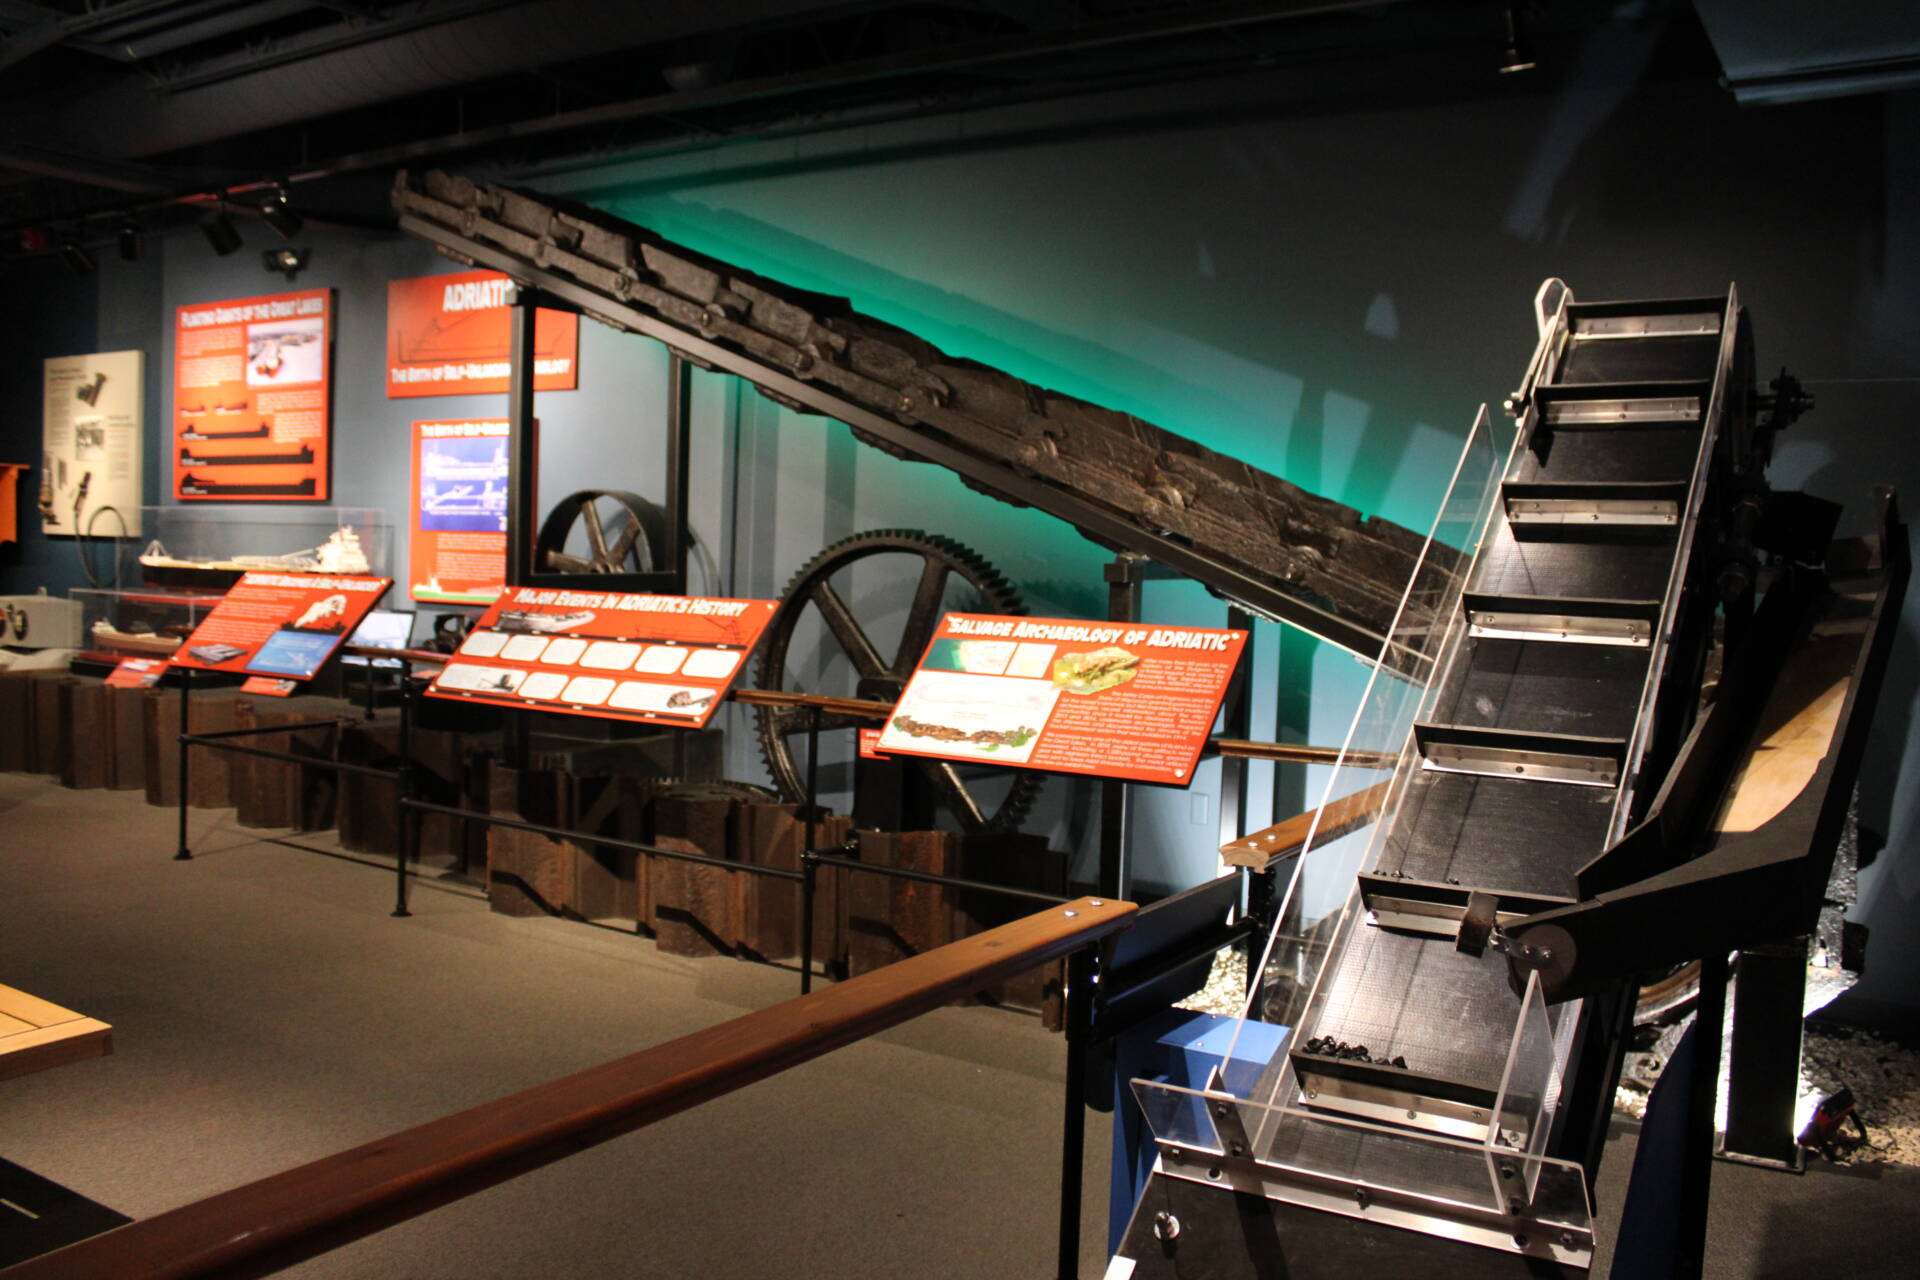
946, 780
596, 536
840, 621
922, 618
623, 545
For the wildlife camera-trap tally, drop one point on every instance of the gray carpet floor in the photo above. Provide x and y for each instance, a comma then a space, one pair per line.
267, 1011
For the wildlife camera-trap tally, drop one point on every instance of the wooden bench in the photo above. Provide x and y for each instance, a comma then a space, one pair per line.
35, 1035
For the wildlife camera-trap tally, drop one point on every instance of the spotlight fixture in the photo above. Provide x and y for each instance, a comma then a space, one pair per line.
689, 77
289, 262
78, 259
219, 230
1515, 54
278, 214
132, 243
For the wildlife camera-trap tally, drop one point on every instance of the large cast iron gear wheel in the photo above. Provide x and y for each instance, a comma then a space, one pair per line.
858, 667
624, 533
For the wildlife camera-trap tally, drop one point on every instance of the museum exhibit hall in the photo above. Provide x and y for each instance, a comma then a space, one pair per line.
1102, 639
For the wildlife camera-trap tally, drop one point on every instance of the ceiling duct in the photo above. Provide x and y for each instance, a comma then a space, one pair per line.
1790, 51
134, 119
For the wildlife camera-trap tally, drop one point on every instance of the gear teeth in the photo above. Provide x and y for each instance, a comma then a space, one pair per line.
998, 596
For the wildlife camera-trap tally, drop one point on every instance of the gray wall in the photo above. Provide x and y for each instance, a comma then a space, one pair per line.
1329, 293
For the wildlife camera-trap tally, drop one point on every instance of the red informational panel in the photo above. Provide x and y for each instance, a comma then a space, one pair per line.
458, 551
137, 673
251, 398
448, 335
1107, 699
613, 654
283, 625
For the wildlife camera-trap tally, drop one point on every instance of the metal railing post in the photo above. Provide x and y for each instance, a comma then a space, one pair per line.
409, 823
181, 852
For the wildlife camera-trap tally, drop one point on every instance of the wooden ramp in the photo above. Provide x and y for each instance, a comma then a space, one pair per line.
35, 1035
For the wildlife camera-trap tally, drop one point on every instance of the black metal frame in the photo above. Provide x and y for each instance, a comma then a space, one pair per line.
523, 453
1672, 908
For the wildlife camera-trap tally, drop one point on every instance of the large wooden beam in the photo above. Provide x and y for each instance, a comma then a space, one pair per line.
266, 1225
1251, 536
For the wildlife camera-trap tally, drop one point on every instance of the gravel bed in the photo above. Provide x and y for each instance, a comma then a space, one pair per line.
1226, 989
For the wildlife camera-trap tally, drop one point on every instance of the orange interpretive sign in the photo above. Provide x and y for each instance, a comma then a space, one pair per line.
1105, 699
458, 551
450, 334
615, 654
137, 673
252, 398
283, 625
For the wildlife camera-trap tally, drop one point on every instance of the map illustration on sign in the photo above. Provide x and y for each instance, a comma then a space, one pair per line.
1108, 700
463, 485
284, 352
458, 551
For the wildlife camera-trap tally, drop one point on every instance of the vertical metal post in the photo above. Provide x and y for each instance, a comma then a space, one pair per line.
408, 821
518, 748
1703, 1090
523, 445
1116, 871
1763, 1058
1237, 722
368, 671
181, 852
1292, 716
1073, 1128
679, 434
808, 867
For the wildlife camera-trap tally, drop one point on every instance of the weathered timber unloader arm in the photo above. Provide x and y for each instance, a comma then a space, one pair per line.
1250, 536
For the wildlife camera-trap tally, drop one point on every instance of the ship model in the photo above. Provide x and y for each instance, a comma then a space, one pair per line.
340, 553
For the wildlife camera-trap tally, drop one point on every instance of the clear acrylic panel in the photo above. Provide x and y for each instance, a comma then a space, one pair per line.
140, 623
1530, 1087
1471, 1190
1373, 766
258, 537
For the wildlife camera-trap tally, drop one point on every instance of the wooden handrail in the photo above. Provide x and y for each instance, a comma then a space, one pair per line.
1337, 817
273, 1223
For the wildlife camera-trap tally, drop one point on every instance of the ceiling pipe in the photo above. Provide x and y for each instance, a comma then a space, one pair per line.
982, 53
134, 120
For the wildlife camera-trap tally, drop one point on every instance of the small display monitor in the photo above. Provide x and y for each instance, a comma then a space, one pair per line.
381, 629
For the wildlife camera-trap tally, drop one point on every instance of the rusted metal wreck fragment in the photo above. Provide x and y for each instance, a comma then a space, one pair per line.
1250, 536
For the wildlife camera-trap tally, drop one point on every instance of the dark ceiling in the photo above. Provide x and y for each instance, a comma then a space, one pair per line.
152, 109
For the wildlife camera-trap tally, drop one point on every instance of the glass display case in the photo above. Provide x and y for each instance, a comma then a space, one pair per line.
199, 549
140, 623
